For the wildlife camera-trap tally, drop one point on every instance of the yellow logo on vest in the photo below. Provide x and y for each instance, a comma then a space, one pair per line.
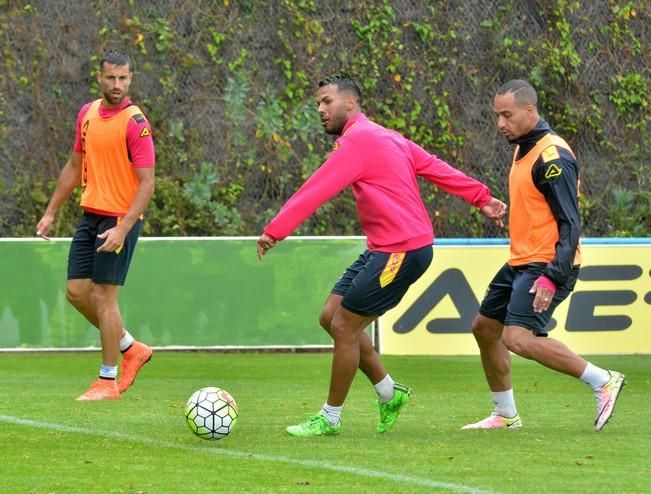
391, 268
549, 154
553, 171
145, 132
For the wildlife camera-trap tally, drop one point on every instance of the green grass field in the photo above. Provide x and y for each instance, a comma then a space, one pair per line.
140, 443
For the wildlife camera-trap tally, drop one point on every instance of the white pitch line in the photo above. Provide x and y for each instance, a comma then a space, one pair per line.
362, 472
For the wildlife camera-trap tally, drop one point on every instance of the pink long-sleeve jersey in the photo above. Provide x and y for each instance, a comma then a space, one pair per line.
381, 166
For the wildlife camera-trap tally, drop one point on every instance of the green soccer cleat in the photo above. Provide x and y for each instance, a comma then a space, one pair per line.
316, 425
390, 410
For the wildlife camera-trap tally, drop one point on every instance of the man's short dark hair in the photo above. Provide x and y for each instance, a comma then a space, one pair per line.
343, 83
523, 91
115, 57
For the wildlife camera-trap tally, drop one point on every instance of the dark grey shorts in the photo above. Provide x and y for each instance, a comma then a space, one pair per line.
104, 268
508, 299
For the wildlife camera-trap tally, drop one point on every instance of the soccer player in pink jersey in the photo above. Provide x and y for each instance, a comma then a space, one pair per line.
113, 162
381, 166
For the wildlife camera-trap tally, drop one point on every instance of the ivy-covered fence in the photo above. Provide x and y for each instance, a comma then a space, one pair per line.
229, 88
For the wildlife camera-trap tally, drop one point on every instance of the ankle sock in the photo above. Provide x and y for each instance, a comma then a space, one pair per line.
126, 341
108, 371
333, 414
384, 389
504, 403
595, 376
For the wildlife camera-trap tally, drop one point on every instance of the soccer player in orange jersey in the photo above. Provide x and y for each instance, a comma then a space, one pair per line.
113, 161
543, 266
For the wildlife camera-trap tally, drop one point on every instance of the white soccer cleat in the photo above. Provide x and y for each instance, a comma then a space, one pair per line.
606, 397
495, 421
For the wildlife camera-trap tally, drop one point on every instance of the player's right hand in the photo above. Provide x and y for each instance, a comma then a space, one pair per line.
265, 242
43, 227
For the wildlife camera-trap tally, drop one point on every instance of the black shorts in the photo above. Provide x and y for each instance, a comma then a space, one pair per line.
377, 281
104, 268
508, 299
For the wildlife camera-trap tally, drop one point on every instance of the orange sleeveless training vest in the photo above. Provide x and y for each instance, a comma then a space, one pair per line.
109, 181
532, 226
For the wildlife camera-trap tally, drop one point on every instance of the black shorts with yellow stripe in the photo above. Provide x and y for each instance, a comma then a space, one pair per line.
377, 281
103, 268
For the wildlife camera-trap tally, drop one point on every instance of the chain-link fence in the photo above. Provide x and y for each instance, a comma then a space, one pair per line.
228, 86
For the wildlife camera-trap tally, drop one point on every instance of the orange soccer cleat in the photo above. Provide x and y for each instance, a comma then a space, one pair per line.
132, 360
101, 389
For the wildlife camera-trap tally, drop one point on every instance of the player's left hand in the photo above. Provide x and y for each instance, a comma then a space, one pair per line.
495, 211
114, 240
265, 243
543, 298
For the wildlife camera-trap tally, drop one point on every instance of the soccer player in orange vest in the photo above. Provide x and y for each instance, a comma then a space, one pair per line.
113, 161
543, 266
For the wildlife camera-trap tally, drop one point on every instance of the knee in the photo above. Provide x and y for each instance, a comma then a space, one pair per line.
336, 328
341, 332
484, 331
329, 310
325, 319
75, 295
100, 298
515, 343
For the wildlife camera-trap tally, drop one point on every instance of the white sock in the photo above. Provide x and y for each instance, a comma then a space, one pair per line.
333, 414
595, 376
126, 341
384, 389
108, 371
504, 403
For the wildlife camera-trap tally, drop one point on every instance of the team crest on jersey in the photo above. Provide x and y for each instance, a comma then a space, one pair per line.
335, 146
549, 154
145, 132
553, 171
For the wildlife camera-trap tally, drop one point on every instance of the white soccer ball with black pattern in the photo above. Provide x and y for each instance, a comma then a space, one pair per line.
211, 413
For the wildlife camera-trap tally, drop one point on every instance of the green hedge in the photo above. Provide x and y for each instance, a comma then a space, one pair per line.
228, 86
